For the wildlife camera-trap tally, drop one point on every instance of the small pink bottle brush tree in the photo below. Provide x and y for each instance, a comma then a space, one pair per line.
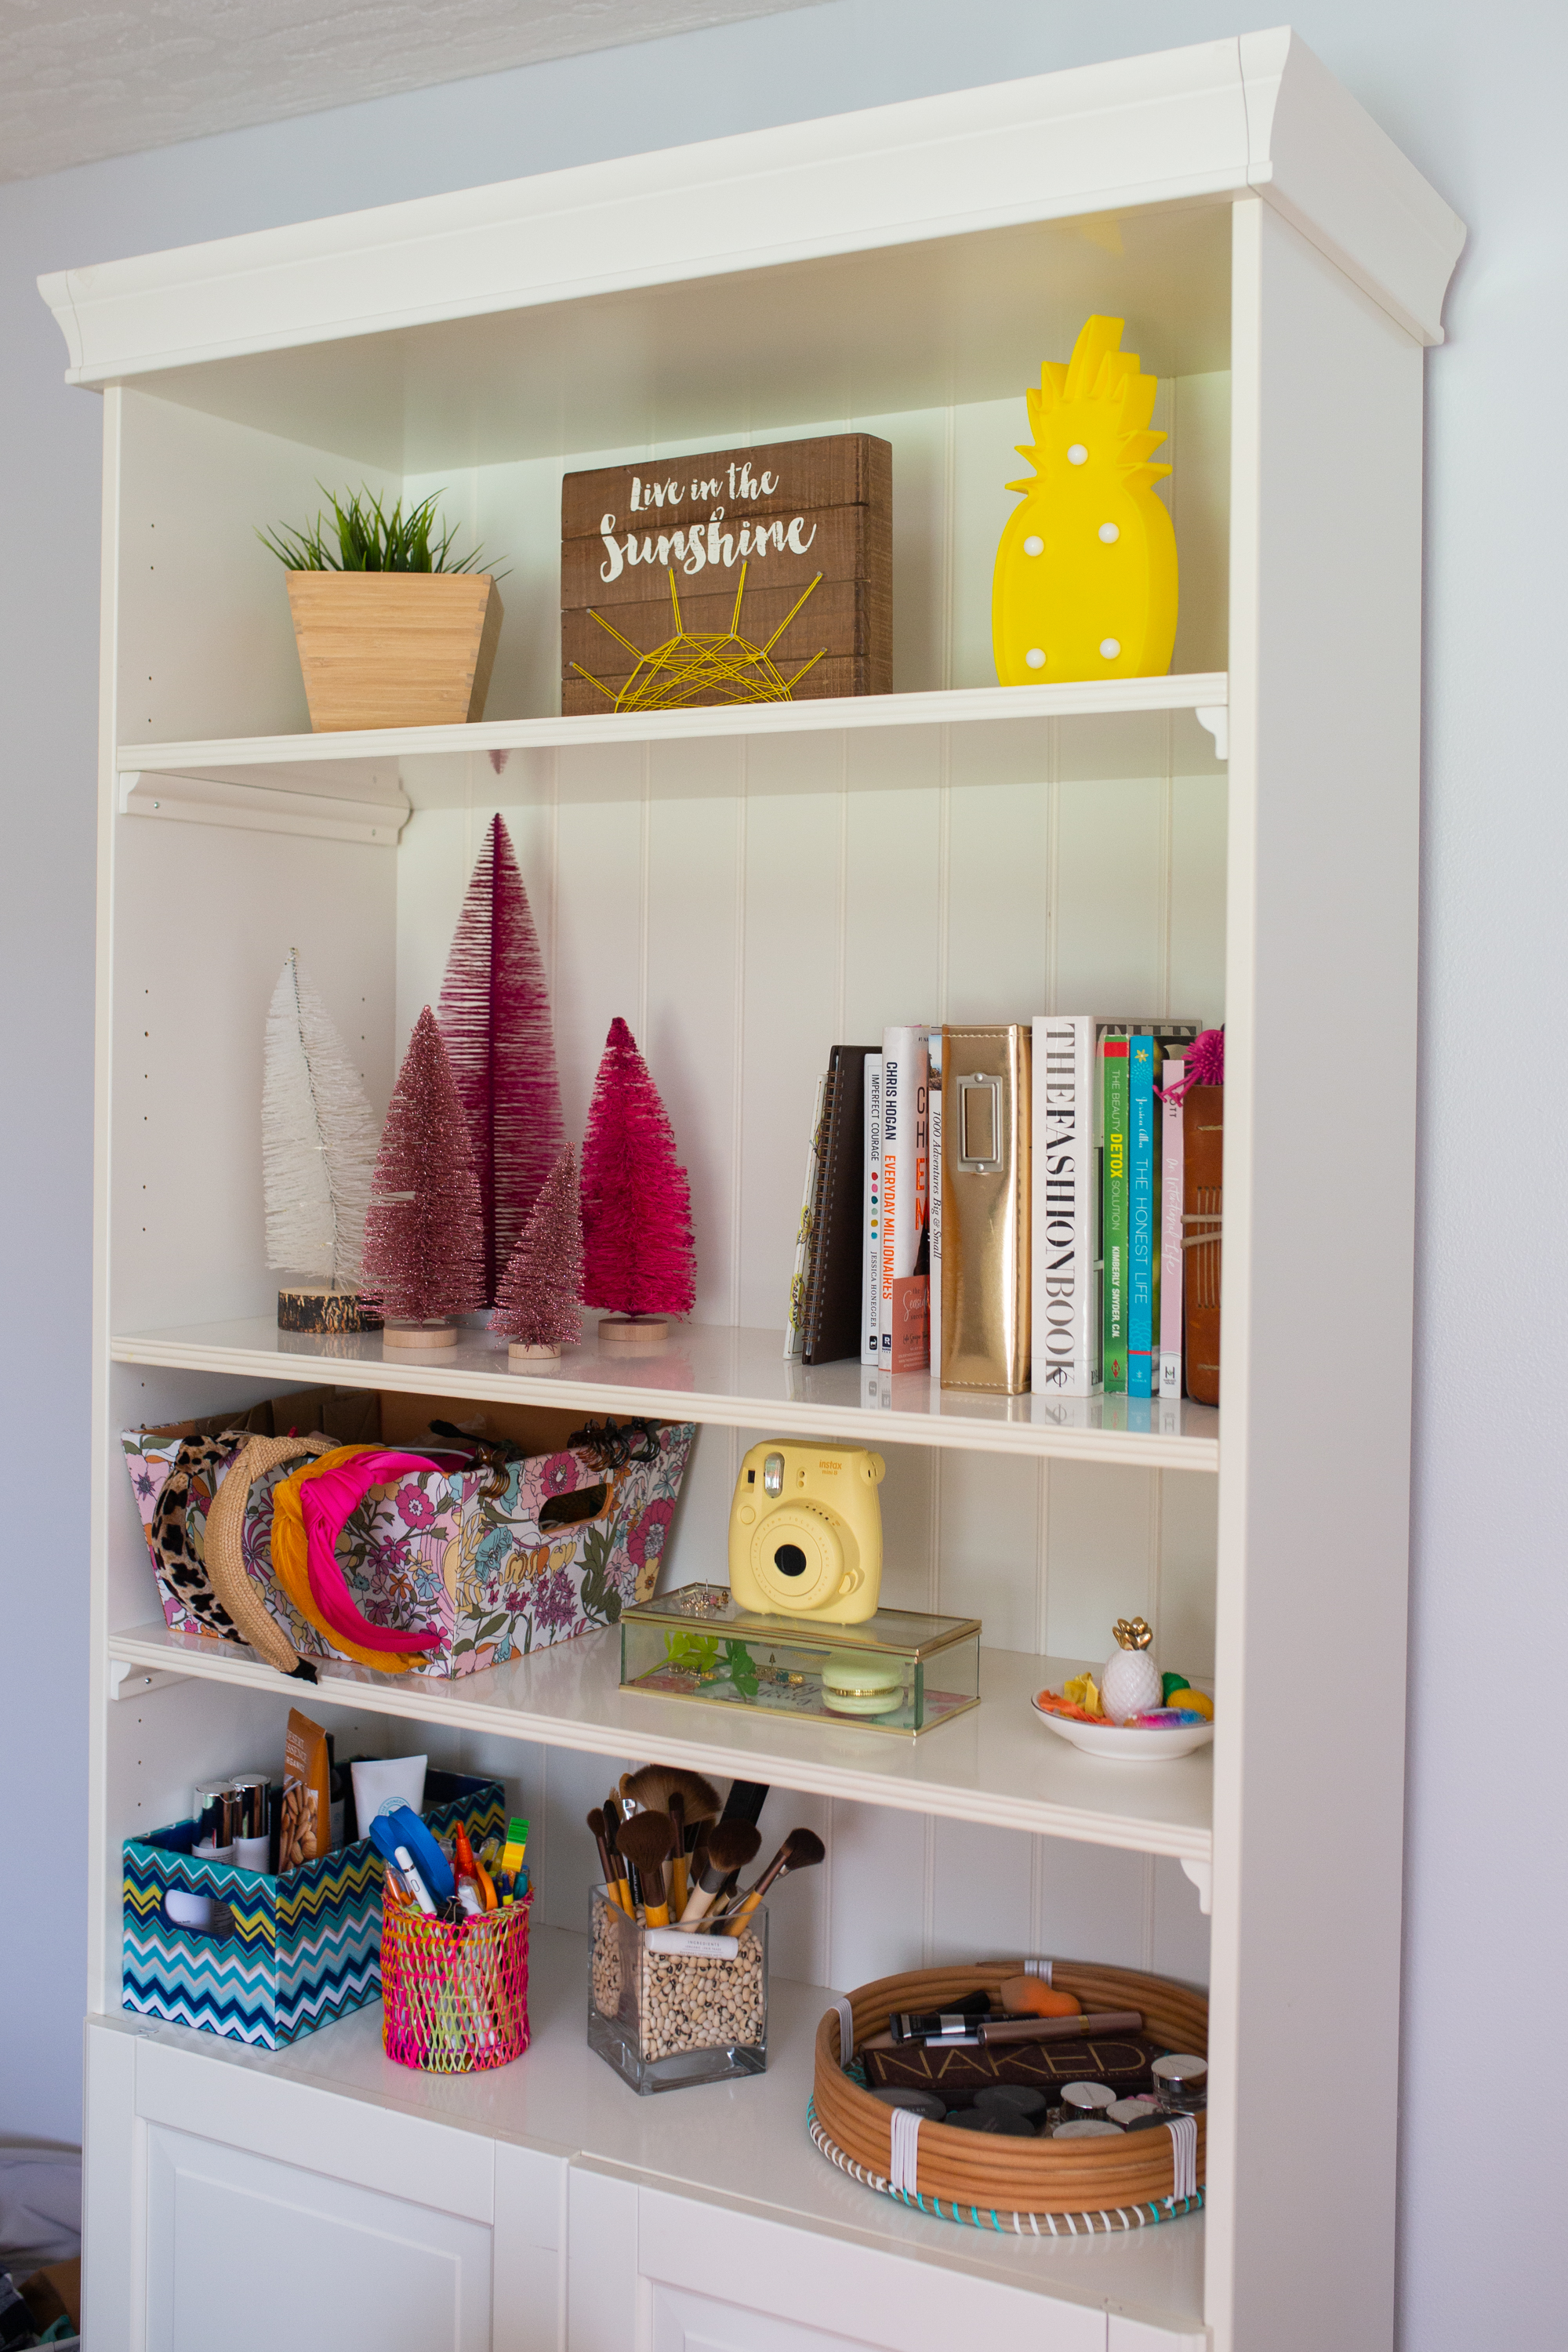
537, 1307
494, 1013
424, 1235
638, 1244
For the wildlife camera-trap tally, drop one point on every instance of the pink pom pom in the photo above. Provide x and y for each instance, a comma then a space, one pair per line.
1205, 1066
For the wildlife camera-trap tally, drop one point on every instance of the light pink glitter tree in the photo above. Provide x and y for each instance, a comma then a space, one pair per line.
424, 1242
537, 1307
495, 1024
637, 1254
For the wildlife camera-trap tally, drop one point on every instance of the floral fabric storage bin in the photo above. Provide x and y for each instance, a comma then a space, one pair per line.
497, 1561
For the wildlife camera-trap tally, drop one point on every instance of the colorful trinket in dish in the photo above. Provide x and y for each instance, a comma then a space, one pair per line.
1152, 1738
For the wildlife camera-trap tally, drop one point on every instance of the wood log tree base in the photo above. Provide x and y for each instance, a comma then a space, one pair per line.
635, 1335
520, 1351
1011, 2176
325, 1310
700, 581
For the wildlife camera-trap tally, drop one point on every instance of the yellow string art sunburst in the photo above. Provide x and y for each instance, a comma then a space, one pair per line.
728, 667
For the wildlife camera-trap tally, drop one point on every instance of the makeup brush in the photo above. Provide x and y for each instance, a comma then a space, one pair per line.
731, 1846
745, 1801
601, 1837
622, 1889
646, 1840
686, 1797
678, 1889
802, 1850
652, 1786
953, 2028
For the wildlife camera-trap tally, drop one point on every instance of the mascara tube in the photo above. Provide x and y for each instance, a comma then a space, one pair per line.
252, 1843
215, 1808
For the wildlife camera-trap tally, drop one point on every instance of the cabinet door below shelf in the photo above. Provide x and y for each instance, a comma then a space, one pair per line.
250, 2253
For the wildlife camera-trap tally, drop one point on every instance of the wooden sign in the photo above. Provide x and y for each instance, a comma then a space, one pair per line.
739, 576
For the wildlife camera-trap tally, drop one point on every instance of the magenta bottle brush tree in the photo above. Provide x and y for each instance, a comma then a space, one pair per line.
637, 1252
494, 1013
537, 1305
424, 1236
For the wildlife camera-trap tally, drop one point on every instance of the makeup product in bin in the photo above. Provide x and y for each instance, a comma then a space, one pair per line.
1087, 2101
386, 1779
252, 1838
1180, 2081
213, 1808
1087, 2128
307, 1795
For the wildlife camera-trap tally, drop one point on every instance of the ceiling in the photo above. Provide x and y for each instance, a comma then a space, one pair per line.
80, 79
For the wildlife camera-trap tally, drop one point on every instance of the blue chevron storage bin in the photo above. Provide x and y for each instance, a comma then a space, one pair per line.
297, 1952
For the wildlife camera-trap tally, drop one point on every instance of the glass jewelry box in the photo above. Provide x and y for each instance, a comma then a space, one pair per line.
900, 1671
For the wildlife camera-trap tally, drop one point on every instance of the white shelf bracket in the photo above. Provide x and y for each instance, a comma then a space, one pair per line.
126, 1681
1202, 1875
261, 808
1215, 718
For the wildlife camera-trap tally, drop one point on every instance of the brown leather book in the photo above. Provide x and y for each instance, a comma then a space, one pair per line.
1203, 1152
835, 1281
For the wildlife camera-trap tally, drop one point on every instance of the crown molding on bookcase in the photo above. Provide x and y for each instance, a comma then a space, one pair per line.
1222, 119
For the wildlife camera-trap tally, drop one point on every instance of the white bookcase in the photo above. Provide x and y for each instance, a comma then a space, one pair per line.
1236, 841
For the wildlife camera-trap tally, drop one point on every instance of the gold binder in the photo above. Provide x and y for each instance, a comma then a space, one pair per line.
986, 1208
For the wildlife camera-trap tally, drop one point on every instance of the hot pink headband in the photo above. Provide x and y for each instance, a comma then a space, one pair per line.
326, 1502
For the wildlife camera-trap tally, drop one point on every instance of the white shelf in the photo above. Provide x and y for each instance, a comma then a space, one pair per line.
998, 1764
365, 767
713, 1372
742, 2144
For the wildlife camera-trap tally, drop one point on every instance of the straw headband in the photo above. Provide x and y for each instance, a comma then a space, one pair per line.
225, 1557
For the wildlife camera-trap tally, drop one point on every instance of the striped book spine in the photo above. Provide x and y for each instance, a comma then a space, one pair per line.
1143, 1219
1113, 1131
1171, 1179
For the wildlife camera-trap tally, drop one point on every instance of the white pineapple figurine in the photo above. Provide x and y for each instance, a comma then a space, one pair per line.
1131, 1682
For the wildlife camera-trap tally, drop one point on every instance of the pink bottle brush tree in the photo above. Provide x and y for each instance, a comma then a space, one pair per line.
494, 1013
537, 1308
638, 1260
424, 1260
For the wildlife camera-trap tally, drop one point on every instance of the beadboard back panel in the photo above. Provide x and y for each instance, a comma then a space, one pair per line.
205, 644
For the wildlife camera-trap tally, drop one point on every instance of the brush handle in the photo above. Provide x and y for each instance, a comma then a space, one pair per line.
1058, 2029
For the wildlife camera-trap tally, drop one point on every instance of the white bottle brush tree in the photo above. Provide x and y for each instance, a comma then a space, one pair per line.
318, 1152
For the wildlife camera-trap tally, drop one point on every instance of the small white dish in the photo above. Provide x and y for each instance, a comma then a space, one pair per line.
1128, 1743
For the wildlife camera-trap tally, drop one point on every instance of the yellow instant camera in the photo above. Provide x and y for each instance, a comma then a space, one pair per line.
806, 1533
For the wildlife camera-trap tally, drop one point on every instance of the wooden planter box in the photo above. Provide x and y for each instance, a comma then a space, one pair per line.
394, 648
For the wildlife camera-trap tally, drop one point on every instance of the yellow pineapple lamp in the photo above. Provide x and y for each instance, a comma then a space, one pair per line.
1084, 585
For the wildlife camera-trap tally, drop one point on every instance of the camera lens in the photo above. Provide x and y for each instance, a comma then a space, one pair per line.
790, 1560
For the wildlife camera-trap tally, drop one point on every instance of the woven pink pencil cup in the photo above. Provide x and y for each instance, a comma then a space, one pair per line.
454, 1997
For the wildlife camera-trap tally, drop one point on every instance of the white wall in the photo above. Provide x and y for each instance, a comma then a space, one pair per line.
1473, 96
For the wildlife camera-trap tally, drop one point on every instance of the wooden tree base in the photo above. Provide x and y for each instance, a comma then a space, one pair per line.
324, 1310
520, 1352
635, 1335
420, 1337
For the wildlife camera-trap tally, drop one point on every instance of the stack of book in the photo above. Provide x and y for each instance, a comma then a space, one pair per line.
1109, 1205
1083, 1183
861, 1281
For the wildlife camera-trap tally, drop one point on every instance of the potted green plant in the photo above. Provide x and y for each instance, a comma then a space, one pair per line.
393, 629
